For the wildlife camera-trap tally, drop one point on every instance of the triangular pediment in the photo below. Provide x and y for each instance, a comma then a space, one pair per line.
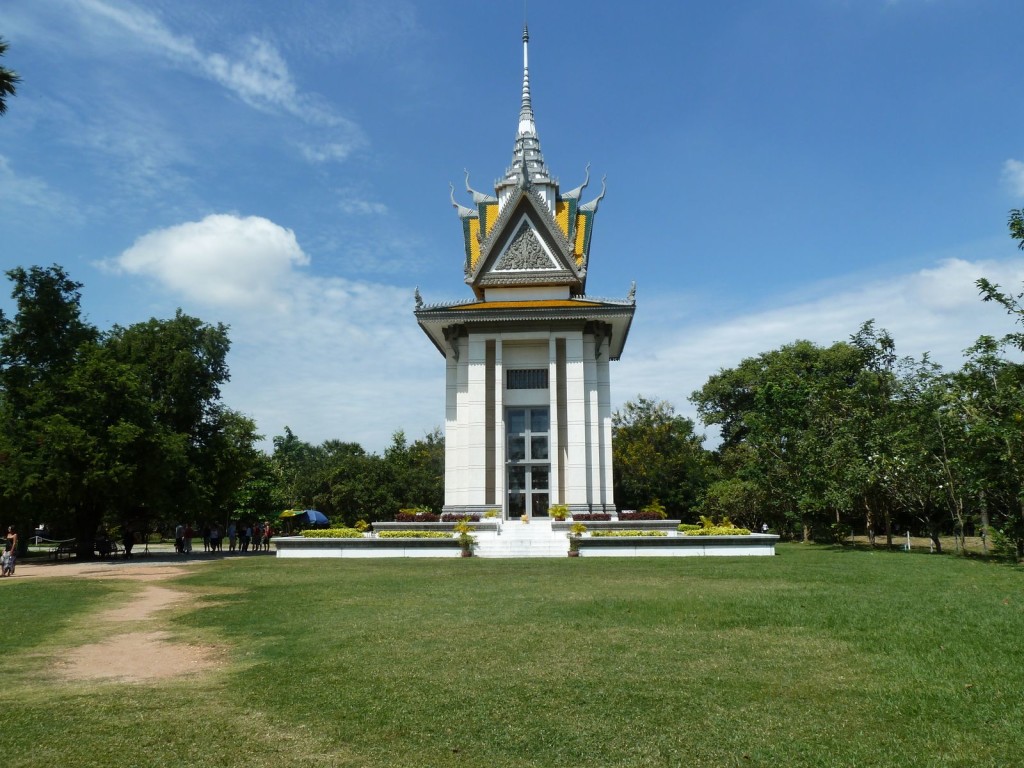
525, 250
526, 246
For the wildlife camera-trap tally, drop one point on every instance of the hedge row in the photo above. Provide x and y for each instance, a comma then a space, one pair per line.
332, 533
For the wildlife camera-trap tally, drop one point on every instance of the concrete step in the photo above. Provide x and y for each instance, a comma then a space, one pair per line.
517, 539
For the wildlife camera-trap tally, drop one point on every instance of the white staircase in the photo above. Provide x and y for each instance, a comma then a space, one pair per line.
518, 539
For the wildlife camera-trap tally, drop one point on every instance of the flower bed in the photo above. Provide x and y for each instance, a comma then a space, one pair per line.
586, 517
407, 516
628, 533
641, 515
413, 535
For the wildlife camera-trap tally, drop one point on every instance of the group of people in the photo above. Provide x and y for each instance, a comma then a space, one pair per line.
250, 537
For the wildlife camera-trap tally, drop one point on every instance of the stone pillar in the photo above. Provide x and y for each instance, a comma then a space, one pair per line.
576, 467
593, 423
557, 492
499, 430
604, 410
476, 422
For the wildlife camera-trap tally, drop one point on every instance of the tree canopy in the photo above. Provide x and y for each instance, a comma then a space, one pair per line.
105, 428
9, 79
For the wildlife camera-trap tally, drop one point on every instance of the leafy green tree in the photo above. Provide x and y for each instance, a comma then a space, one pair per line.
657, 456
1011, 302
9, 79
40, 348
102, 428
784, 417
987, 401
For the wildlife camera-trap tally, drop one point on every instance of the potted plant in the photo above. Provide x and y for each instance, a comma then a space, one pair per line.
466, 540
576, 530
558, 511
525, 518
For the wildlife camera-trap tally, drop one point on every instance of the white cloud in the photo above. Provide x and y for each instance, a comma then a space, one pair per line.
223, 261
29, 192
1013, 175
352, 204
332, 151
256, 73
935, 310
328, 357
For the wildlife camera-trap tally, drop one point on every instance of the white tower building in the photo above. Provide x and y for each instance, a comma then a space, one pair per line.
528, 402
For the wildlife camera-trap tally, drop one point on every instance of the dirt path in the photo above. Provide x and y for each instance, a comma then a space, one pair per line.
138, 649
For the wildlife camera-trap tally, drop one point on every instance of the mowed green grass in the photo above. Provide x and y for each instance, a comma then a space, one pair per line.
817, 657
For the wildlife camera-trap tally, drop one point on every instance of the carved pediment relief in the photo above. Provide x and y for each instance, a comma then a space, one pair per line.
525, 252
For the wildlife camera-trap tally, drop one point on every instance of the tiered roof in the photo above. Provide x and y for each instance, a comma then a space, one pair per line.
528, 244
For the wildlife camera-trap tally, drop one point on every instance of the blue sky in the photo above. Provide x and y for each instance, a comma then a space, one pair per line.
776, 171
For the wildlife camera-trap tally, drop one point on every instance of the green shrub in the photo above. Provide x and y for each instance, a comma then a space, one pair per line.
1002, 545
413, 535
717, 530
628, 533
655, 508
688, 527
332, 533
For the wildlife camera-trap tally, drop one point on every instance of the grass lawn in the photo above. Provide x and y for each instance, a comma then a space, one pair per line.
817, 657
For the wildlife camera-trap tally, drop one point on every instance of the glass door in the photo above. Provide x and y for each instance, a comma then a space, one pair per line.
528, 465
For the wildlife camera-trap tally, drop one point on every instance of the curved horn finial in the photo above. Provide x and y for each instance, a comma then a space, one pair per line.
464, 212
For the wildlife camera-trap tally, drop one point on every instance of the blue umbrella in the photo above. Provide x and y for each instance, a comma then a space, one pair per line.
313, 517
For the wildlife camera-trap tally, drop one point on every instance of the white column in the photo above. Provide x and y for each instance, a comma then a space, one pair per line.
593, 423
557, 494
604, 410
476, 453
456, 429
499, 429
451, 432
576, 469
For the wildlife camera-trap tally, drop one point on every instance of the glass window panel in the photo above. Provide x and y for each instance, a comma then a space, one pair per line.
539, 478
539, 420
540, 505
516, 505
516, 448
516, 421
538, 447
516, 479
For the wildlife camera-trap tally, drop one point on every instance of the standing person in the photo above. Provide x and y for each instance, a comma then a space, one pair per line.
189, 533
128, 541
232, 535
10, 551
215, 538
206, 537
179, 538
246, 537
266, 536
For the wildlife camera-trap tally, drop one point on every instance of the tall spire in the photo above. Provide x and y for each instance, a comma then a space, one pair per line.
526, 121
527, 166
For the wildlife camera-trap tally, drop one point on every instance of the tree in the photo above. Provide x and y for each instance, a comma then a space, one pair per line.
785, 417
657, 456
1011, 302
102, 428
987, 401
9, 79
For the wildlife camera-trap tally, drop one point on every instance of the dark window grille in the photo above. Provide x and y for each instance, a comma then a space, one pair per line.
530, 378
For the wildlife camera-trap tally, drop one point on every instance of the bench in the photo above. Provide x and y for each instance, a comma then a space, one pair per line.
63, 549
